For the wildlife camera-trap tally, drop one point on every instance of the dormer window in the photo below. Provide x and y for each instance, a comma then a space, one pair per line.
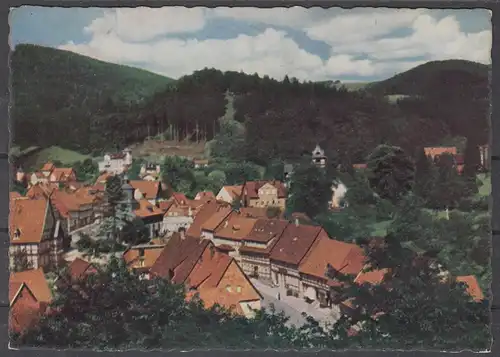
228, 288
238, 289
17, 234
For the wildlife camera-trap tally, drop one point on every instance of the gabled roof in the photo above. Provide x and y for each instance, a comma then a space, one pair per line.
62, 174
203, 215
36, 281
79, 267
344, 257
66, 201
178, 257
373, 277
103, 177
254, 212
41, 190
179, 197
235, 227
25, 311
146, 209
266, 229
233, 191
205, 195
473, 287
133, 257
252, 188
221, 213
149, 189
27, 220
294, 243
48, 166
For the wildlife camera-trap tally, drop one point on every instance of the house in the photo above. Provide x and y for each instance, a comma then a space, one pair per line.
151, 216
484, 153
41, 190
257, 245
179, 216
51, 174
214, 277
77, 209
325, 253
35, 234
79, 269
472, 287
205, 212
435, 152
200, 163
179, 198
150, 172
264, 194
318, 157
149, 190
288, 253
209, 227
141, 258
29, 297
116, 163
204, 196
229, 193
229, 235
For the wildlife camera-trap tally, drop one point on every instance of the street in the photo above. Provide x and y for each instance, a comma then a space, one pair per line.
292, 306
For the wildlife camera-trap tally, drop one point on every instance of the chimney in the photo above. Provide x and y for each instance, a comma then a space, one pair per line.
296, 222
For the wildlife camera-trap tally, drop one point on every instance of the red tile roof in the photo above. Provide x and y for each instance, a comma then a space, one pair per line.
178, 257
266, 229
79, 268
472, 286
134, 260
13, 195
49, 166
66, 201
180, 198
233, 191
205, 195
146, 209
62, 174
221, 213
25, 310
254, 212
294, 243
27, 217
35, 280
436, 151
344, 257
252, 188
373, 277
41, 190
149, 189
235, 227
203, 215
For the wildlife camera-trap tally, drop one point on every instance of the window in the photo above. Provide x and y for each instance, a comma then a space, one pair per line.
238, 289
17, 234
228, 288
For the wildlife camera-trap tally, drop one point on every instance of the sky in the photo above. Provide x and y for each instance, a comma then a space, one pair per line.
361, 44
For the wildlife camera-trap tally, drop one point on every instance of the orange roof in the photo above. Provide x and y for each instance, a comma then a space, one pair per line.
178, 257
13, 195
149, 189
473, 287
49, 166
266, 229
27, 218
233, 191
255, 212
41, 190
134, 260
25, 311
79, 268
179, 197
344, 257
216, 219
35, 280
66, 201
218, 279
436, 151
202, 216
103, 177
63, 174
146, 209
371, 277
235, 227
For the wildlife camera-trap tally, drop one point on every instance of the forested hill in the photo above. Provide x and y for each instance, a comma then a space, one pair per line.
280, 119
54, 90
419, 80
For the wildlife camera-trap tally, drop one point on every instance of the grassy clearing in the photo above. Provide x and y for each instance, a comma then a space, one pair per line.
485, 189
67, 157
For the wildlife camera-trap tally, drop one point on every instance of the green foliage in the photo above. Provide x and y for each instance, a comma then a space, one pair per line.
310, 190
273, 212
18, 187
115, 310
135, 169
390, 172
86, 170
449, 187
134, 232
239, 172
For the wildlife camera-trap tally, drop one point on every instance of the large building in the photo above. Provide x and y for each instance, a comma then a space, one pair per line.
116, 163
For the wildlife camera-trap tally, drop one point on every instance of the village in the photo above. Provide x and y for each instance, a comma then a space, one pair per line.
233, 248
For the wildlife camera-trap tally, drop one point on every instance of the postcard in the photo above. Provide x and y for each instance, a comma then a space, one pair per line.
245, 178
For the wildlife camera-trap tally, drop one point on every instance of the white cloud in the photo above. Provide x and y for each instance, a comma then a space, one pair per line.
363, 42
142, 23
433, 39
362, 26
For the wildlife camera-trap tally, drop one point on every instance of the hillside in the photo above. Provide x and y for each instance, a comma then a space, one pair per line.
417, 81
52, 86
